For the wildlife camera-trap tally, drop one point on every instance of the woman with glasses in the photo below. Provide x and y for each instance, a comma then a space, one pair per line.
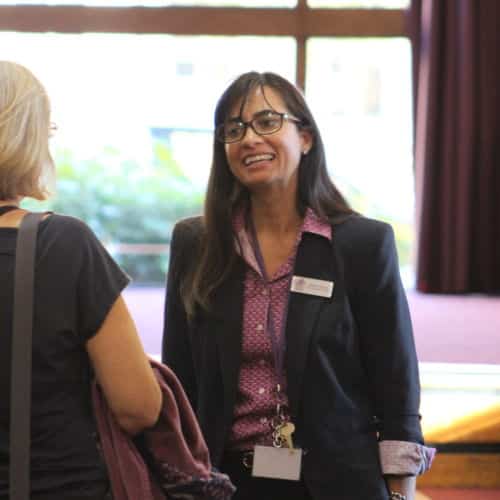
81, 325
285, 316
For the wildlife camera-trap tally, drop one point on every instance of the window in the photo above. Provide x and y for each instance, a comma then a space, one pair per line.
158, 3
360, 94
134, 116
133, 93
359, 4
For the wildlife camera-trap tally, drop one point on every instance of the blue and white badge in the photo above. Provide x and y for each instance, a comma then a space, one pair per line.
311, 286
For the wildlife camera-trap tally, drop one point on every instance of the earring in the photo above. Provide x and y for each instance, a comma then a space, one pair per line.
305, 152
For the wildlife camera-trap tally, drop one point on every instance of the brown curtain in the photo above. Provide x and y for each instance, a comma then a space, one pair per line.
456, 49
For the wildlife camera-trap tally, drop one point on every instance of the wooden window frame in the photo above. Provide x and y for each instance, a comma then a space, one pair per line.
301, 22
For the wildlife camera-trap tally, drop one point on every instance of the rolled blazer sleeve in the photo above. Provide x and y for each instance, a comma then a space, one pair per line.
176, 346
388, 352
388, 348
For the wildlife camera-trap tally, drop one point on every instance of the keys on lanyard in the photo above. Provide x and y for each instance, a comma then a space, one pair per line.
282, 460
282, 435
282, 429
286, 434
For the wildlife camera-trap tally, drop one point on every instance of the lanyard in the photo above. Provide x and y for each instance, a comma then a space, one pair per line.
278, 341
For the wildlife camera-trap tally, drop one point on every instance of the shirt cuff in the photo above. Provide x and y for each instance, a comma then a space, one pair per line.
405, 458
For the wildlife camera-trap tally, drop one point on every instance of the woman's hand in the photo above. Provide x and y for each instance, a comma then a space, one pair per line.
406, 485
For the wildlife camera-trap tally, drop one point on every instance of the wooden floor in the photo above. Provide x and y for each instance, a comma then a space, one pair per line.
456, 494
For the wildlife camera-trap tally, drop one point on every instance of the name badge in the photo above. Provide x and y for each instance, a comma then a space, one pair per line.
310, 286
277, 463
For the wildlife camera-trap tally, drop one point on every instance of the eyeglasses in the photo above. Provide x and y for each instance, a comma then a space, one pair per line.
265, 123
52, 129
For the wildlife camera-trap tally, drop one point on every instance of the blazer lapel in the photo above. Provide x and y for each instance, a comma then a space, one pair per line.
315, 259
228, 312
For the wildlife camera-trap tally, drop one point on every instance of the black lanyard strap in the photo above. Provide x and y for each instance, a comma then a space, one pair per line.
4, 209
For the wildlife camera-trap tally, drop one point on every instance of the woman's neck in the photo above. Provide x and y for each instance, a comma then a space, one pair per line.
275, 214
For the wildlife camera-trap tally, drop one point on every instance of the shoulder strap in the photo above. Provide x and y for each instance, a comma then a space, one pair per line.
7, 208
20, 392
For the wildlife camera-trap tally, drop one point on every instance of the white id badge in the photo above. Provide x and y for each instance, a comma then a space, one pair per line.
310, 286
277, 463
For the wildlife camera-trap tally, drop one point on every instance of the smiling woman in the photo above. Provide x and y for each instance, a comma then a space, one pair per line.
265, 150
286, 317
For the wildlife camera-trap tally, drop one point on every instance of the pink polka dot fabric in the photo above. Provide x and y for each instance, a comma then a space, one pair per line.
257, 395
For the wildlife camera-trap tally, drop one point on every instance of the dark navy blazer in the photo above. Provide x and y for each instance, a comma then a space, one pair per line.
351, 367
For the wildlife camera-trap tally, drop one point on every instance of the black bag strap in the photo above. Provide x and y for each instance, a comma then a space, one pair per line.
7, 208
20, 387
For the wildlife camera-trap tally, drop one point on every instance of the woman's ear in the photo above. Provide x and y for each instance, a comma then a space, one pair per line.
307, 140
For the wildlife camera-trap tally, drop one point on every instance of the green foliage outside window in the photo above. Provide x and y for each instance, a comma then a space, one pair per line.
125, 201
403, 230
129, 202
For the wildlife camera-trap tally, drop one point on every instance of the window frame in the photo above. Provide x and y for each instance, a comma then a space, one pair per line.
301, 22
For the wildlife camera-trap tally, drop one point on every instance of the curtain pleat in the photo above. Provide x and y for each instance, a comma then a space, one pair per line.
456, 49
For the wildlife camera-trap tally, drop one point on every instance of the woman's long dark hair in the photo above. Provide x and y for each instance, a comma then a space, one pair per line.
225, 195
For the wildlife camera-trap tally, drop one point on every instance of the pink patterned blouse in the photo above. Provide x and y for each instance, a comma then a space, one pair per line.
257, 396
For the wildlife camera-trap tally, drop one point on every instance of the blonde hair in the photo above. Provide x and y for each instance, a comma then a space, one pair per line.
26, 166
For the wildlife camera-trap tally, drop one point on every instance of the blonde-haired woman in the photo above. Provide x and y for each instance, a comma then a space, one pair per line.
81, 323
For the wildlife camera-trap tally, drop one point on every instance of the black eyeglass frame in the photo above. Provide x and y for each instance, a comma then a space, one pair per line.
219, 130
